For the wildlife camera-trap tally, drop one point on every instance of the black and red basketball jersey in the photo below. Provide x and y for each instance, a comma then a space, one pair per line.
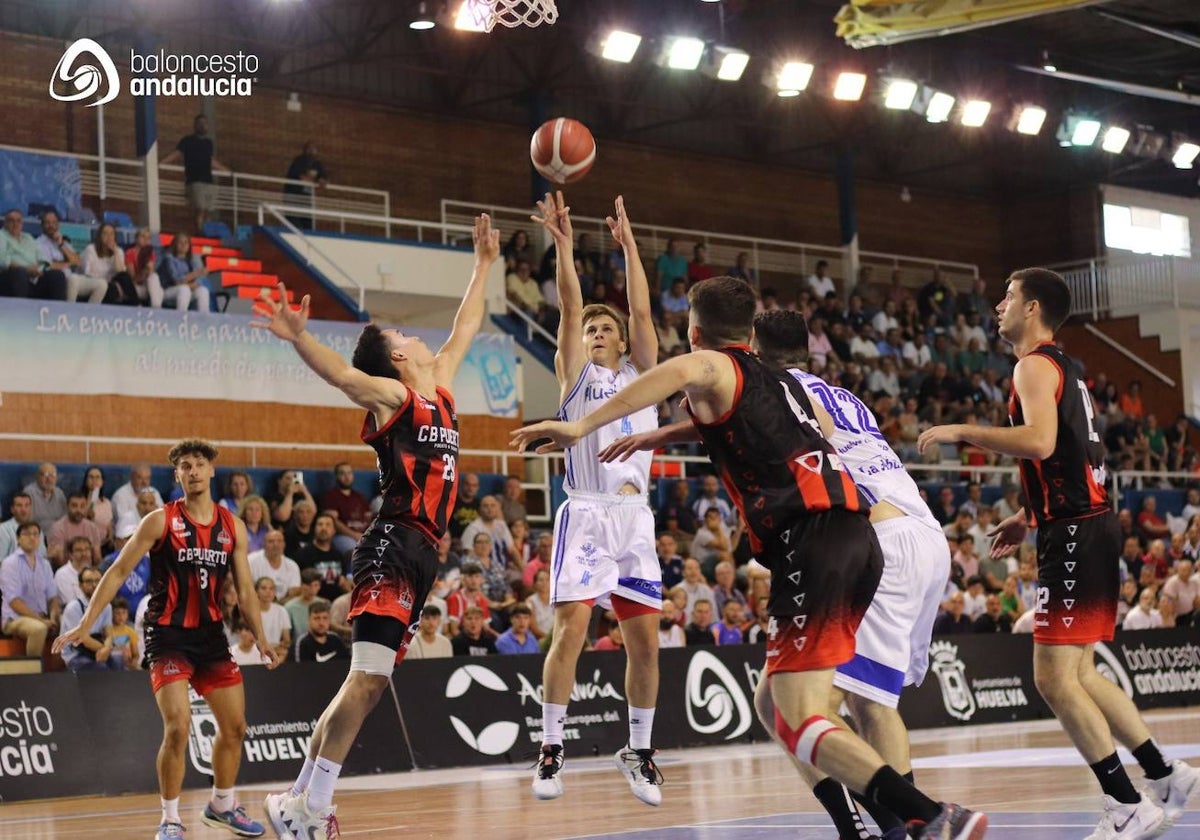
769, 452
1070, 483
418, 462
188, 565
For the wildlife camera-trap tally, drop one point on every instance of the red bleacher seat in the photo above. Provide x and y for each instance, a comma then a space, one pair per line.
244, 278
233, 264
197, 241
255, 293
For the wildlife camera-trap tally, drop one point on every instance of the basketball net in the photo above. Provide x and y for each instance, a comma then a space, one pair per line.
512, 13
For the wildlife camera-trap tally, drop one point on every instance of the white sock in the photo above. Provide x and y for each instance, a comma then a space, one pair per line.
322, 783
301, 783
641, 723
170, 809
553, 715
222, 799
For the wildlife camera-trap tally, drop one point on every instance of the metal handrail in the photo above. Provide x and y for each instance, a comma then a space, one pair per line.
310, 247
532, 327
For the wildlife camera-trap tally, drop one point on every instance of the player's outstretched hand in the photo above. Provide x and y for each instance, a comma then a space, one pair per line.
622, 232
279, 317
487, 240
1008, 534
74, 636
937, 435
561, 435
270, 656
556, 219
622, 449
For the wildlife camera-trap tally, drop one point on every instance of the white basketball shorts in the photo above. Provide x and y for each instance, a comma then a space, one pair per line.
604, 546
891, 647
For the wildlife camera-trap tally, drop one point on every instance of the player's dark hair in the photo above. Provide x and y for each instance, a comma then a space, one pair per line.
192, 446
1050, 291
723, 308
373, 354
598, 310
782, 337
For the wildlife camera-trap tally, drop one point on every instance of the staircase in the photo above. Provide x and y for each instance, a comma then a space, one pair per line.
241, 278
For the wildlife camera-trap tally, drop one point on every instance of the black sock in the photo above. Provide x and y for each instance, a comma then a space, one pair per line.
1150, 757
837, 803
1114, 781
893, 791
883, 817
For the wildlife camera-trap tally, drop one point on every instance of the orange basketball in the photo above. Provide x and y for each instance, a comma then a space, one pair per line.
562, 150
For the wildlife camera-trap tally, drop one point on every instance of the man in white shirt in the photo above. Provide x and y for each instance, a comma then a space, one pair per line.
124, 501
885, 319
79, 557
670, 634
863, 346
270, 561
694, 585
1183, 588
277, 624
916, 351
820, 282
428, 643
22, 511
709, 498
1143, 616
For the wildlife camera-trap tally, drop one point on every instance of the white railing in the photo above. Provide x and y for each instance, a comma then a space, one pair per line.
532, 327
238, 193
1100, 287
773, 260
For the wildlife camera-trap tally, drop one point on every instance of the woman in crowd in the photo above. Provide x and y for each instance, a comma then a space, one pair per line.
289, 488
238, 486
100, 509
539, 604
181, 274
253, 511
140, 260
102, 258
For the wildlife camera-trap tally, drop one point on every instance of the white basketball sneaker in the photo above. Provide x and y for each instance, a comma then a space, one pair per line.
641, 772
547, 777
301, 822
1140, 821
274, 806
1171, 793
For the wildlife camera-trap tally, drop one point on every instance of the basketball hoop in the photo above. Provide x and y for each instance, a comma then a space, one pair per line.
512, 13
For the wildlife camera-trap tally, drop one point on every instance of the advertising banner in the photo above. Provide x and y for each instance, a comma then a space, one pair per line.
46, 746
83, 348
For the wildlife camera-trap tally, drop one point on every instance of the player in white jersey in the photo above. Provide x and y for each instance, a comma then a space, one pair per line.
604, 541
892, 642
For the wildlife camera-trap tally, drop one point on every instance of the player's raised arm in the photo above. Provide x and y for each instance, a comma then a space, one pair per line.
143, 539
474, 304
643, 337
555, 217
706, 375
374, 393
623, 448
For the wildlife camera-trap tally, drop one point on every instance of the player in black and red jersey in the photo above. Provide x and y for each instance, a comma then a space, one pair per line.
1061, 457
412, 426
807, 522
194, 544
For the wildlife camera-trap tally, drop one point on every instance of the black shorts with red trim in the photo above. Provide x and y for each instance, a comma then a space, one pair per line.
1078, 580
199, 655
394, 566
825, 569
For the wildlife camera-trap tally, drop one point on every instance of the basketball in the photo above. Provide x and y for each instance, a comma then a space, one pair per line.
562, 150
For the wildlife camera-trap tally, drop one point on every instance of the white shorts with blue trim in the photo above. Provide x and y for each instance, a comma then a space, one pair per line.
604, 546
891, 647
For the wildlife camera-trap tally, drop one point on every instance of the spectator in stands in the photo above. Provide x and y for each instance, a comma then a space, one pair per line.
289, 489
1183, 588
125, 499
946, 511
1009, 502
819, 282
728, 631
669, 266
517, 249
542, 557
1144, 616
742, 270
512, 503
678, 510
254, 513
21, 509
310, 585
614, 639
994, 619
670, 634
133, 589
518, 638
495, 581
522, 550
182, 274
1166, 609
694, 585
863, 346
839, 343
699, 269
469, 594
714, 542
953, 620
819, 348
196, 152
74, 524
885, 319
490, 522
140, 260
30, 608
755, 632
539, 605
1150, 525
466, 509
674, 303
104, 262
270, 562
525, 293
55, 251
245, 650
699, 629
474, 638
1131, 401
669, 560
427, 642
320, 554
125, 642
449, 569
1191, 506
351, 510
276, 623
238, 487
318, 644
975, 598
1027, 586
299, 531
1177, 449
709, 498
79, 557
1127, 599
94, 653
48, 500
99, 507
885, 379
23, 271
726, 589
936, 300
306, 167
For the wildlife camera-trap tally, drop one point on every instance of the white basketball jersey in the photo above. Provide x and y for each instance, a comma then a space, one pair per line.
584, 469
872, 462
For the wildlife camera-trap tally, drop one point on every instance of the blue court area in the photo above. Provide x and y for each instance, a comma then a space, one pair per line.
1041, 825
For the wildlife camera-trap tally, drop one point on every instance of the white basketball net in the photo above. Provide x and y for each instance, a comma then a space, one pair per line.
512, 13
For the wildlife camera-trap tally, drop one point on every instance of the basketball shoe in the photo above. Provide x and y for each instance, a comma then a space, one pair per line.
955, 823
274, 806
641, 772
236, 821
1171, 793
169, 831
1140, 820
547, 780
299, 821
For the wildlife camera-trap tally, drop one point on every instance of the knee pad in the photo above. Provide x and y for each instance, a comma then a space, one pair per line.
372, 658
803, 741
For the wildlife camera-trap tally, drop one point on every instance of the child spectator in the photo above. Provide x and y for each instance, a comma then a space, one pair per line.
125, 642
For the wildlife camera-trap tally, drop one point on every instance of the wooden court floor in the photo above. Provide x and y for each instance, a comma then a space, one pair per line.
1026, 776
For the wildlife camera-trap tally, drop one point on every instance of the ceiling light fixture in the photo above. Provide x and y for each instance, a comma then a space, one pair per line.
849, 86
1115, 139
1185, 154
1029, 120
683, 53
620, 46
423, 20
975, 113
793, 77
939, 107
899, 94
